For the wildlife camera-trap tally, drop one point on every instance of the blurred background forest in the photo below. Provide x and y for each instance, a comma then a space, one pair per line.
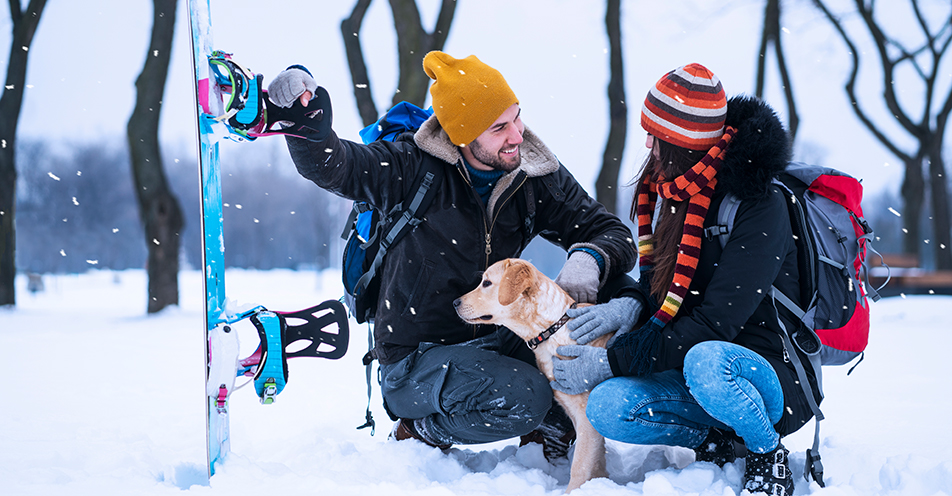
819, 63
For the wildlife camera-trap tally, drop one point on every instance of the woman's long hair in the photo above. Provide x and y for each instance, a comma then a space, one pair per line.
672, 161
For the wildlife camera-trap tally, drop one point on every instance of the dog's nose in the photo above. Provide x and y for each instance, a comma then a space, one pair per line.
457, 302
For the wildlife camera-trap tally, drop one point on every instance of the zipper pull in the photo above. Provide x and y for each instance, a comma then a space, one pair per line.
489, 247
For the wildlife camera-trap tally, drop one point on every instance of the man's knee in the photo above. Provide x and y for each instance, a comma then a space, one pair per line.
529, 390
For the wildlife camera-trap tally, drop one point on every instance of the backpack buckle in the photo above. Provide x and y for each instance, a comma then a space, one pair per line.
714, 231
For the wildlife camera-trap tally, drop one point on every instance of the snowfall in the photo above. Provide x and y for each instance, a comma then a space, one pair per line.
100, 398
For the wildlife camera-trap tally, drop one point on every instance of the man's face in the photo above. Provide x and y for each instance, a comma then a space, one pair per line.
498, 146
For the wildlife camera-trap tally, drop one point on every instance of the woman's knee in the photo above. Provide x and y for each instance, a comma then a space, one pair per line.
615, 404
609, 405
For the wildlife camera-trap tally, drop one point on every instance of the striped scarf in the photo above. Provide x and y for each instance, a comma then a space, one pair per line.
696, 186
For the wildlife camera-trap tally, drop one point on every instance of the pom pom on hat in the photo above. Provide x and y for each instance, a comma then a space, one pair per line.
468, 95
687, 107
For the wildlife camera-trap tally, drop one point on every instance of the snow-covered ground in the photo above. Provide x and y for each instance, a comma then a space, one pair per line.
100, 399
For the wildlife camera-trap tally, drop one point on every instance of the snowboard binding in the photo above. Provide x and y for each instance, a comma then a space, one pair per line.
249, 113
320, 331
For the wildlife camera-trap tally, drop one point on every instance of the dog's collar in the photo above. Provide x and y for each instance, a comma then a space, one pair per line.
552, 329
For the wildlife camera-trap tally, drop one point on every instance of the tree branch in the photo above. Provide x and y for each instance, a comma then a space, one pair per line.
889, 66
15, 13
441, 30
850, 86
794, 118
762, 53
350, 30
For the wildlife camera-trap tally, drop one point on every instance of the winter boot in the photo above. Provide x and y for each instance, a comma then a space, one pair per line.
555, 442
769, 473
556, 434
717, 448
415, 429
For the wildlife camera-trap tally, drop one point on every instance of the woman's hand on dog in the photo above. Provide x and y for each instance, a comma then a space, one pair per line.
584, 369
590, 323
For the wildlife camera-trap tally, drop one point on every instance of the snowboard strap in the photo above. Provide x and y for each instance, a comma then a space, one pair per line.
272, 373
249, 113
323, 327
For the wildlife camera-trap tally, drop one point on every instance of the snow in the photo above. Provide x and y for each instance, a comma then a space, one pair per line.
102, 399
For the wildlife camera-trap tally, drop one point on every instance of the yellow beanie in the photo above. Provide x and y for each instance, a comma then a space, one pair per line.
468, 95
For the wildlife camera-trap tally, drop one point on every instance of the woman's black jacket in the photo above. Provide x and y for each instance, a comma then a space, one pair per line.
726, 300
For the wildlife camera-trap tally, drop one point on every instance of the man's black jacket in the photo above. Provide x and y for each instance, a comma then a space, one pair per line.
443, 257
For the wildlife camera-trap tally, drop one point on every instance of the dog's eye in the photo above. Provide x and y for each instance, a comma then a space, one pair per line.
487, 283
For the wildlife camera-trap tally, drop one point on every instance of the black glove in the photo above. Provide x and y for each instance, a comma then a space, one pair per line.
312, 121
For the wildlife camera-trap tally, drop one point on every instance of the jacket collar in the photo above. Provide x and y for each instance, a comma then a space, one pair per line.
759, 151
537, 159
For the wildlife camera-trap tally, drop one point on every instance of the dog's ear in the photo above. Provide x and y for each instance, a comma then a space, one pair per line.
516, 280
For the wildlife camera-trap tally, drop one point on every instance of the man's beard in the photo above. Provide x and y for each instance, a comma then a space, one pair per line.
493, 159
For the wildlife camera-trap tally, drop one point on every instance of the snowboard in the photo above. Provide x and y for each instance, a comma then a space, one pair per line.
319, 331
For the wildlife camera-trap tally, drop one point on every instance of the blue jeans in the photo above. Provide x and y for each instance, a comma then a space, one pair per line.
723, 385
480, 391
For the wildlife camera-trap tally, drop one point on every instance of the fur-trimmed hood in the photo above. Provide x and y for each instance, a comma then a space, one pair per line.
537, 159
759, 151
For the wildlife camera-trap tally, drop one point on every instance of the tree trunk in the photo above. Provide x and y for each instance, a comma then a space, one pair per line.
606, 185
24, 27
413, 43
942, 224
158, 207
913, 191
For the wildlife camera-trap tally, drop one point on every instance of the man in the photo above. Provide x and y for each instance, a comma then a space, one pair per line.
450, 382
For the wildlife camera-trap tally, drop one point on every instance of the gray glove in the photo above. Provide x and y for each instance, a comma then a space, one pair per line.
589, 323
588, 368
579, 277
289, 85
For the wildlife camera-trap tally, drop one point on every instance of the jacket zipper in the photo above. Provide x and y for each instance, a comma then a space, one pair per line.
488, 228
492, 224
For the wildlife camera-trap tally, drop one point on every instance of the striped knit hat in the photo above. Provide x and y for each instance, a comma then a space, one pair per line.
687, 108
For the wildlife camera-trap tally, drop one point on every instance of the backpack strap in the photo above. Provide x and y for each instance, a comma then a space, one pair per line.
726, 213
398, 222
357, 209
404, 219
529, 222
814, 465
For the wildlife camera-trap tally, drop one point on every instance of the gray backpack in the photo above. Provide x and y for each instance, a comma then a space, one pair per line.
832, 240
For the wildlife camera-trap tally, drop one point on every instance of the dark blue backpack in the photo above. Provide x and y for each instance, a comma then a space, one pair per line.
370, 232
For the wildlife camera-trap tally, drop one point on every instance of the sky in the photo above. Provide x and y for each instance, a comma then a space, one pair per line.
554, 54
103, 400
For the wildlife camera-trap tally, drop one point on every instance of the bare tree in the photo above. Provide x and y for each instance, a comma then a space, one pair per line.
158, 208
926, 125
606, 190
771, 35
413, 43
24, 27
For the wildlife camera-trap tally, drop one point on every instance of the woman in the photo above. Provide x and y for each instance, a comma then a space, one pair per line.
699, 359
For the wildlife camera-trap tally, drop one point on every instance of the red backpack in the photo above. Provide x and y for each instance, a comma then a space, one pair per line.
832, 242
